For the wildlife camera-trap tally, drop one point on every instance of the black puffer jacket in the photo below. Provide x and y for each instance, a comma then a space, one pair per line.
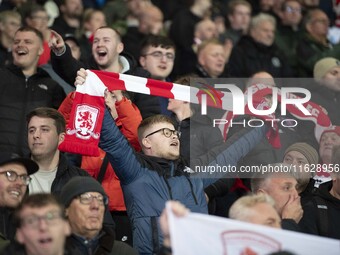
65, 173
66, 67
249, 57
313, 223
18, 96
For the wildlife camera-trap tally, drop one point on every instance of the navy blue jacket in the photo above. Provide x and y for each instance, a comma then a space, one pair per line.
148, 182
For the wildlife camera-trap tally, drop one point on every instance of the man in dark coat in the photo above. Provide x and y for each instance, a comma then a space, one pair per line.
46, 130
107, 56
85, 201
23, 87
258, 52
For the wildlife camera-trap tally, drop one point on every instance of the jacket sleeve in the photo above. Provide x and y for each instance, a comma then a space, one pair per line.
227, 154
219, 188
290, 224
308, 56
309, 220
120, 154
66, 66
130, 118
236, 66
58, 96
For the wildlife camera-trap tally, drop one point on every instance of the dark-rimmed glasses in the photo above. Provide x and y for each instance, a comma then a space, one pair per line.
34, 220
166, 132
13, 176
290, 9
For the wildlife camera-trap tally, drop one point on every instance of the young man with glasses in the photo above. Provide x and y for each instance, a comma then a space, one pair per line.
289, 31
86, 201
159, 174
14, 178
41, 227
157, 56
314, 44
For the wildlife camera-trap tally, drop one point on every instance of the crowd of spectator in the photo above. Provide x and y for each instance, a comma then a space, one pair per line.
149, 143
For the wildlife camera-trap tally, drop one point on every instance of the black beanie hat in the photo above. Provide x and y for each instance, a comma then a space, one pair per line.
77, 186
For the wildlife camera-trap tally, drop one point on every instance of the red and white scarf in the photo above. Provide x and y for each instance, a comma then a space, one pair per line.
83, 129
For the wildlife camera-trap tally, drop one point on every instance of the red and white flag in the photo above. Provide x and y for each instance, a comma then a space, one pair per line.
83, 129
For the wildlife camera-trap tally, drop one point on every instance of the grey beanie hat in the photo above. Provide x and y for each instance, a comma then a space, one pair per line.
77, 186
323, 66
306, 150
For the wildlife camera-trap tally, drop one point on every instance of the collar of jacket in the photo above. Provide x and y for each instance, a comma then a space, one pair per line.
201, 72
324, 190
62, 165
253, 46
18, 71
134, 69
101, 244
312, 41
164, 167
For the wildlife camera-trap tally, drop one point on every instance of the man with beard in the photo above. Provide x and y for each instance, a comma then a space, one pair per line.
107, 55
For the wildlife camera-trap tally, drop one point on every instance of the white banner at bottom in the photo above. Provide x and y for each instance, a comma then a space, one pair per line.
199, 234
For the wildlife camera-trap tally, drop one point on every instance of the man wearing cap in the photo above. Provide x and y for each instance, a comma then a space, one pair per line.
85, 202
300, 155
321, 215
326, 90
14, 179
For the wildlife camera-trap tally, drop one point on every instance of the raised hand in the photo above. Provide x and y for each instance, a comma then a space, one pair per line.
81, 77
56, 43
292, 209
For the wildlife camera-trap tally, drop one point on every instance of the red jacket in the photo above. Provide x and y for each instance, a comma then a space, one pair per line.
128, 121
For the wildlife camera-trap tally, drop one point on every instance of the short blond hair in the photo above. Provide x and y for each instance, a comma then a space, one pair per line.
205, 43
240, 209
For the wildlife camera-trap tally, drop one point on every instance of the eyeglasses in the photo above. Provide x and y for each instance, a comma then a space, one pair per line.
292, 10
14, 24
159, 55
33, 221
13, 176
166, 132
324, 21
87, 199
43, 18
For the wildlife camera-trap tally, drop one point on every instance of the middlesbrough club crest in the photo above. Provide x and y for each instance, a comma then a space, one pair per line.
85, 121
243, 242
